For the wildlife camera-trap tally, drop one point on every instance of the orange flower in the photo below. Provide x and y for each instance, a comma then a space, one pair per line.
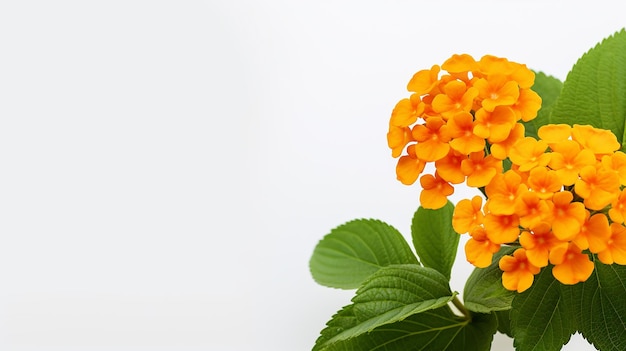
406, 111
449, 167
432, 139
457, 97
518, 273
568, 216
480, 169
554, 133
527, 105
529, 153
524, 77
397, 139
615, 251
594, 233
502, 192
435, 191
424, 81
600, 141
532, 209
501, 229
616, 162
501, 150
498, 90
570, 264
490, 65
494, 125
460, 129
478, 249
617, 212
467, 215
599, 187
409, 167
568, 159
460, 64
538, 242
544, 182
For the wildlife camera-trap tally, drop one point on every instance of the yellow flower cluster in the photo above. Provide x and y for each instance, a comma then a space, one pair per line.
453, 115
564, 196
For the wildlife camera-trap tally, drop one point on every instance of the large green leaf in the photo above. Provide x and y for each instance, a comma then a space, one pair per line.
594, 91
483, 290
350, 253
438, 329
390, 295
599, 305
549, 88
541, 319
434, 239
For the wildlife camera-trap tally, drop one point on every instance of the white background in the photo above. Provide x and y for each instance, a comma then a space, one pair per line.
167, 167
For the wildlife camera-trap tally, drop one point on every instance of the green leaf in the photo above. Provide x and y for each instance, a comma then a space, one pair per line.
350, 253
599, 305
594, 92
434, 239
438, 329
483, 290
549, 88
541, 319
393, 294
504, 322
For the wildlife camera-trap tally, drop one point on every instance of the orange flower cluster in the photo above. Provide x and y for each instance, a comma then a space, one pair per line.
563, 198
451, 118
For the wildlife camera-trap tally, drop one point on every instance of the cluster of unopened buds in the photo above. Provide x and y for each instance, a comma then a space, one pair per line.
559, 200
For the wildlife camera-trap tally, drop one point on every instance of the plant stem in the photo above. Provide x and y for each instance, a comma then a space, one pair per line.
457, 303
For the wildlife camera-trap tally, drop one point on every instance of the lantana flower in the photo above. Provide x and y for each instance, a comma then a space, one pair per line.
559, 198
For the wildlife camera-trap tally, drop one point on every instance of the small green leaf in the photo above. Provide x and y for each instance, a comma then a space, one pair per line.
595, 89
483, 290
355, 250
504, 322
549, 88
434, 239
600, 306
438, 329
541, 319
393, 294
